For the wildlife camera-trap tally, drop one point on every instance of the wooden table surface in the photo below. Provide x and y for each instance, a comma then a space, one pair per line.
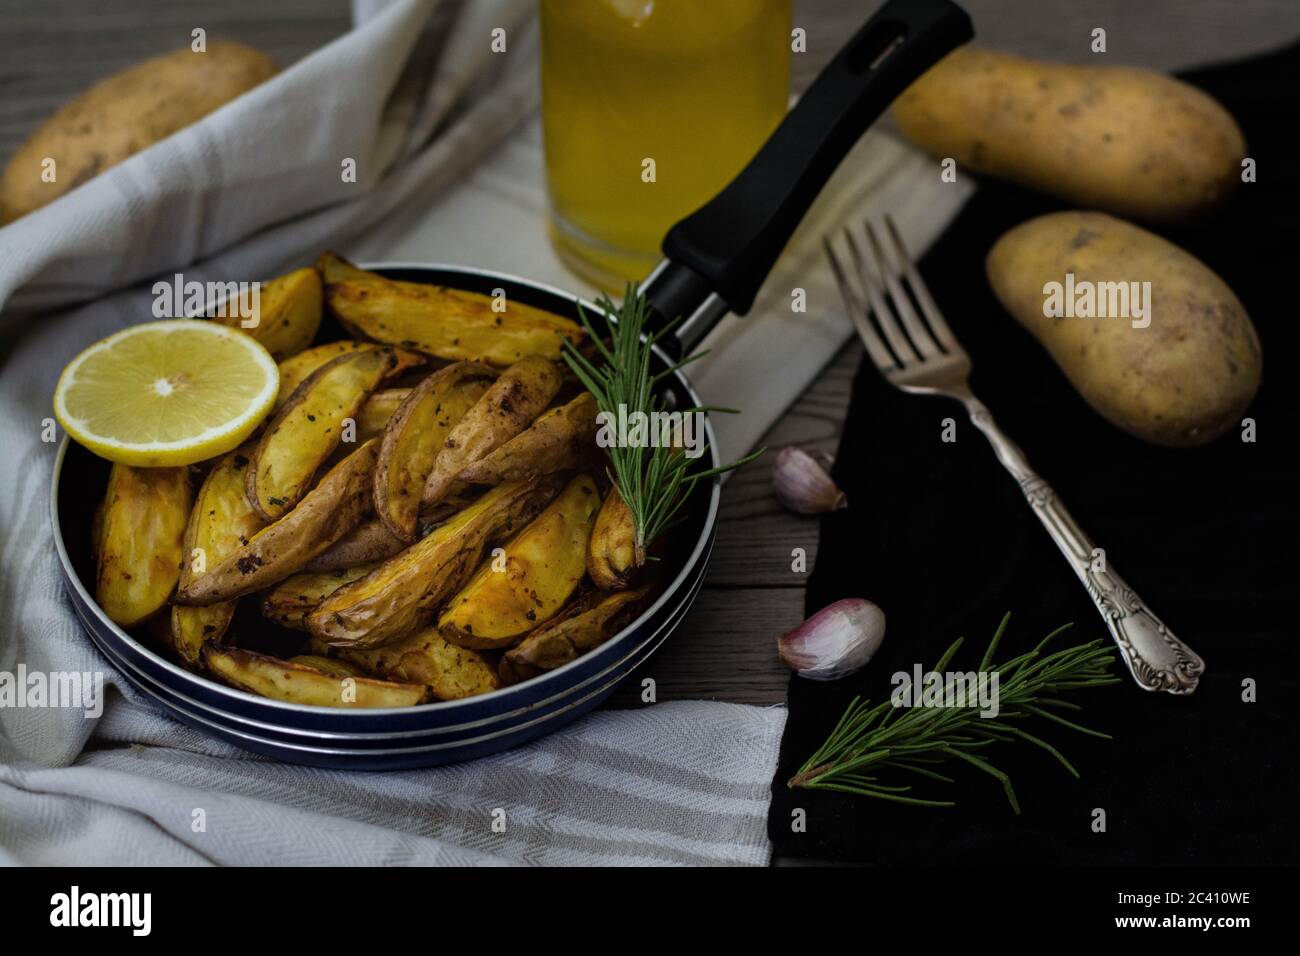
51, 49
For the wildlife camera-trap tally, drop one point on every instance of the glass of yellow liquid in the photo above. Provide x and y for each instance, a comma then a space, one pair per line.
649, 108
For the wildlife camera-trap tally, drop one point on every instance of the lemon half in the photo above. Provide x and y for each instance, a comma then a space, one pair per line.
167, 393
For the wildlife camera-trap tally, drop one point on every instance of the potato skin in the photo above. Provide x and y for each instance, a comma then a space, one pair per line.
327, 513
612, 554
447, 323
125, 113
426, 657
508, 407
543, 566
221, 521
404, 593
583, 626
1184, 380
1133, 142
557, 441
300, 683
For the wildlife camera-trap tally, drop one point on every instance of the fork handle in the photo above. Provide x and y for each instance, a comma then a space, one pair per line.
1155, 657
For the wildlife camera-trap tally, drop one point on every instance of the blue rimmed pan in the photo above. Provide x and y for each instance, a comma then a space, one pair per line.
716, 259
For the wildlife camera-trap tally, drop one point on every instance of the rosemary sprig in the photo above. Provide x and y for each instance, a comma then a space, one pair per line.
653, 481
869, 739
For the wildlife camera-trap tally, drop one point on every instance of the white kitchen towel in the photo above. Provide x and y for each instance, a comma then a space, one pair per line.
417, 98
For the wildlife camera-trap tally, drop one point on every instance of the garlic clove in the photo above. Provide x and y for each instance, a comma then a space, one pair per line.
802, 484
836, 641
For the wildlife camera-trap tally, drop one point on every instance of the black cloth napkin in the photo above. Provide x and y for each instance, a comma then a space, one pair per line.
939, 536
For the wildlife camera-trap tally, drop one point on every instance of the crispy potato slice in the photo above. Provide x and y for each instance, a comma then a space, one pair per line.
404, 592
141, 540
289, 602
378, 411
506, 409
414, 437
221, 521
583, 626
293, 371
305, 432
557, 441
287, 316
543, 566
426, 657
437, 320
368, 542
330, 510
299, 684
611, 551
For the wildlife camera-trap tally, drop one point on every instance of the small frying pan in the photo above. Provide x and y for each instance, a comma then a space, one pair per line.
715, 261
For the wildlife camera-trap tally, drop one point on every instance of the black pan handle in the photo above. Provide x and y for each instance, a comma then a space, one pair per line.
719, 255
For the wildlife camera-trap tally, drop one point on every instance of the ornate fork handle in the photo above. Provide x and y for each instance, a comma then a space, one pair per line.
1157, 659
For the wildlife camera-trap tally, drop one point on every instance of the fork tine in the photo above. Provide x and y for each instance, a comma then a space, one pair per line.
884, 317
858, 313
932, 314
916, 331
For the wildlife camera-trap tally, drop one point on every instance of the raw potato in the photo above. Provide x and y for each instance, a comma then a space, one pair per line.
543, 566
611, 551
404, 593
122, 115
506, 409
305, 432
440, 321
288, 313
558, 441
425, 657
1186, 378
586, 624
290, 601
370, 541
221, 521
141, 541
378, 411
326, 514
299, 684
414, 437
1133, 142
293, 371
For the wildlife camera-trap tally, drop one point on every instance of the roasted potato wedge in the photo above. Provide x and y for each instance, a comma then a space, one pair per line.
426, 657
221, 521
287, 313
330, 511
404, 592
611, 551
305, 432
506, 409
293, 371
367, 543
378, 411
299, 684
414, 437
542, 567
328, 665
447, 323
585, 624
141, 540
290, 601
557, 441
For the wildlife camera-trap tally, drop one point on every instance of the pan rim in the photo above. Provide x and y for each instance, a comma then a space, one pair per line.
554, 677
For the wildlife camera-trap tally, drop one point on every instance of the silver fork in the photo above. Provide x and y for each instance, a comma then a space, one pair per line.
924, 357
